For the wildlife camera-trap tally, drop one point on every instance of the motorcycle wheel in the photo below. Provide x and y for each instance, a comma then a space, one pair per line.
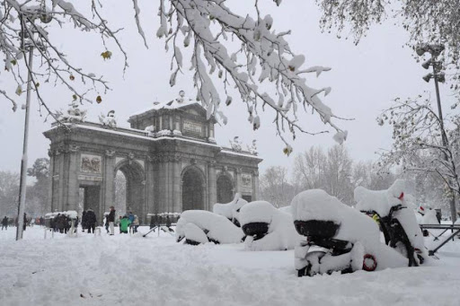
314, 260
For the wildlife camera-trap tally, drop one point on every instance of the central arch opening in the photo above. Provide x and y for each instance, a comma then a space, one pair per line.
224, 189
129, 190
192, 189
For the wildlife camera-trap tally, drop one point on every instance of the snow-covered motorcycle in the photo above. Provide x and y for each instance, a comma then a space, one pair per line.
395, 219
337, 237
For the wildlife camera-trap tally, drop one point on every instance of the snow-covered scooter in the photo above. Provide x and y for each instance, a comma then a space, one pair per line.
337, 237
396, 220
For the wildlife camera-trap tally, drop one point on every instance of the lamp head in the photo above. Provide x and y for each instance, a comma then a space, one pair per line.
421, 49
435, 50
428, 77
426, 64
441, 77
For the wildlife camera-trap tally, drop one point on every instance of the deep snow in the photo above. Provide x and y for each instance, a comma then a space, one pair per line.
131, 270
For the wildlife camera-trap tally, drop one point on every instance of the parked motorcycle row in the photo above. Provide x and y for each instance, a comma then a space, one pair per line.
380, 232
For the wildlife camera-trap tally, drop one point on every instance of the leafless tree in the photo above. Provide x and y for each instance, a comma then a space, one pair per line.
275, 186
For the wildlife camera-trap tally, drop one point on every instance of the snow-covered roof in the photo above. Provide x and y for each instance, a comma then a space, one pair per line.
140, 134
173, 104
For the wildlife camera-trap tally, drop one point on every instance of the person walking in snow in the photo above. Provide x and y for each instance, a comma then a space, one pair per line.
111, 220
135, 223
5, 223
24, 225
91, 220
83, 221
124, 224
107, 223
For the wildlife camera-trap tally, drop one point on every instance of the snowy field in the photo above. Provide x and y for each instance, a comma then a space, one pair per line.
132, 270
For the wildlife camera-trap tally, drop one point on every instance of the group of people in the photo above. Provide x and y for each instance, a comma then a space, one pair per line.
88, 220
27, 222
62, 223
126, 222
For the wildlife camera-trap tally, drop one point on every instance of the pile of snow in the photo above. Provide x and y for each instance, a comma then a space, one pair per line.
215, 228
281, 234
286, 209
230, 210
382, 201
355, 227
430, 217
155, 270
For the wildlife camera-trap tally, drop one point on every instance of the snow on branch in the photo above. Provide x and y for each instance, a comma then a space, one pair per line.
263, 55
23, 29
421, 141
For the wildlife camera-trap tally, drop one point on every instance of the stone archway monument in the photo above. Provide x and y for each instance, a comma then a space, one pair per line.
169, 158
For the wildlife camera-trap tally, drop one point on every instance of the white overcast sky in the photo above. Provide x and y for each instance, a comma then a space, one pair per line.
364, 80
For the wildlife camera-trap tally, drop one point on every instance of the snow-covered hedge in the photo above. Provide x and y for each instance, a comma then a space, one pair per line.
230, 210
281, 234
216, 228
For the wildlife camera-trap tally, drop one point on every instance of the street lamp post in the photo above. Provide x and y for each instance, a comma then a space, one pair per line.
438, 76
27, 45
22, 182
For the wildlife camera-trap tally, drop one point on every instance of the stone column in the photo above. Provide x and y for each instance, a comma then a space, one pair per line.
255, 185
49, 205
108, 182
162, 185
59, 180
72, 179
176, 183
149, 186
239, 184
212, 184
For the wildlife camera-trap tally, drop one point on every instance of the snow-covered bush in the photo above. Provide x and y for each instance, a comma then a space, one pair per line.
214, 227
231, 210
280, 232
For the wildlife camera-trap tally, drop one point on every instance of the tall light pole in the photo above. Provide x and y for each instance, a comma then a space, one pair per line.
27, 45
438, 76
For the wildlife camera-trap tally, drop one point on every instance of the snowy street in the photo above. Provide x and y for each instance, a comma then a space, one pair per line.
132, 270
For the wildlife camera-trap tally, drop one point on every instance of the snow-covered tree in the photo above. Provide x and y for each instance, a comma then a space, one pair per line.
310, 168
423, 143
331, 172
37, 199
275, 186
427, 21
240, 51
339, 174
9, 190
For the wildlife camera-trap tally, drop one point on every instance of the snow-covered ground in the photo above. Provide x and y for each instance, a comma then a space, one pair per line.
132, 270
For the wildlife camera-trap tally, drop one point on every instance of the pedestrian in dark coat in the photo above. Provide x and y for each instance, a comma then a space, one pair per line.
83, 221
111, 219
91, 220
5, 223
24, 225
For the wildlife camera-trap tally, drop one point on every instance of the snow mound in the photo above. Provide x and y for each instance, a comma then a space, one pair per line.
230, 210
281, 233
286, 209
430, 217
215, 227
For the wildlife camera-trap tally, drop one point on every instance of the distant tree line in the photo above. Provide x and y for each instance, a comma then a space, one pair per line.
37, 198
338, 174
